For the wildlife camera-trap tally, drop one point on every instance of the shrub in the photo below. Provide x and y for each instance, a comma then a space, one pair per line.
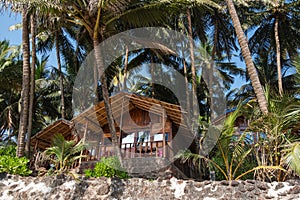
14, 165
9, 150
65, 152
107, 167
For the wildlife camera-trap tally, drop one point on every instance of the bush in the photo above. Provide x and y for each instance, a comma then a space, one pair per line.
14, 165
9, 150
107, 167
11, 164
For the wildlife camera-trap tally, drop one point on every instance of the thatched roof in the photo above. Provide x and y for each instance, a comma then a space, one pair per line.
43, 138
96, 116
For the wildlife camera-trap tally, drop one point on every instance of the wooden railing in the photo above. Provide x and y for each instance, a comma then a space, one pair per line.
145, 149
129, 150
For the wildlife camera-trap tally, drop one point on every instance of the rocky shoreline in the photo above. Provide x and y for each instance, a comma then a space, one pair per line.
54, 187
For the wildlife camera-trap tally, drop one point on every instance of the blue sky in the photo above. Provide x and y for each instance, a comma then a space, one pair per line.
15, 38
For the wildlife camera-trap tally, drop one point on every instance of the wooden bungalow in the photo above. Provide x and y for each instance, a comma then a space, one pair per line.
145, 127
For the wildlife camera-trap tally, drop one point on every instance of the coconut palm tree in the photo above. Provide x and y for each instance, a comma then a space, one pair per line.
25, 82
10, 89
32, 82
65, 152
248, 59
274, 21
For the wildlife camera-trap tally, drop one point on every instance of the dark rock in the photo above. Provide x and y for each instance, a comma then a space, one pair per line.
224, 182
249, 187
11, 187
269, 197
294, 190
262, 186
103, 189
282, 194
279, 185
250, 181
241, 188
238, 195
234, 183
256, 192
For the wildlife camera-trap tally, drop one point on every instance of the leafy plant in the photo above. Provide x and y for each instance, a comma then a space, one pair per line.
292, 156
65, 152
14, 165
278, 138
107, 167
9, 150
230, 154
11, 164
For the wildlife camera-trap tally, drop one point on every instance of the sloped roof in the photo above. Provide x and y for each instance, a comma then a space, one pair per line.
44, 137
96, 116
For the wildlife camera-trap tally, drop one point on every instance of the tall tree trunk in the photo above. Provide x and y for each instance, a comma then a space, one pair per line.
32, 83
25, 84
152, 72
278, 56
61, 77
261, 98
211, 70
194, 84
125, 68
102, 76
105, 94
186, 80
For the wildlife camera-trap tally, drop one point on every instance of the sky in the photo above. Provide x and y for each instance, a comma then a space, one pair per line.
15, 38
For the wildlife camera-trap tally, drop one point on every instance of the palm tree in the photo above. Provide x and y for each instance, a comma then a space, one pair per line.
230, 153
32, 82
25, 83
275, 20
10, 90
97, 16
65, 152
248, 59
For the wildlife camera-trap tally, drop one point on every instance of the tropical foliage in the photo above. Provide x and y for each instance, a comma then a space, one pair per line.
265, 33
64, 153
232, 157
11, 164
107, 167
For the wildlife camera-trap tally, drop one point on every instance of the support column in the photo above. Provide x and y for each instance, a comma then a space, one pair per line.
84, 136
164, 134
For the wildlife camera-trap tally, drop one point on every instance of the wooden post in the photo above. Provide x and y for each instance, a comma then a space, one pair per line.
36, 144
135, 144
121, 125
84, 135
164, 134
170, 141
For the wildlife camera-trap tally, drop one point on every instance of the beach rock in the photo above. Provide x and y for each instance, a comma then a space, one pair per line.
61, 187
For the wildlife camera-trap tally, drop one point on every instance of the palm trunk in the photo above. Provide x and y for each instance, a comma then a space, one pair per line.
186, 80
152, 77
110, 119
32, 83
211, 70
261, 98
278, 56
61, 77
25, 84
194, 84
125, 69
